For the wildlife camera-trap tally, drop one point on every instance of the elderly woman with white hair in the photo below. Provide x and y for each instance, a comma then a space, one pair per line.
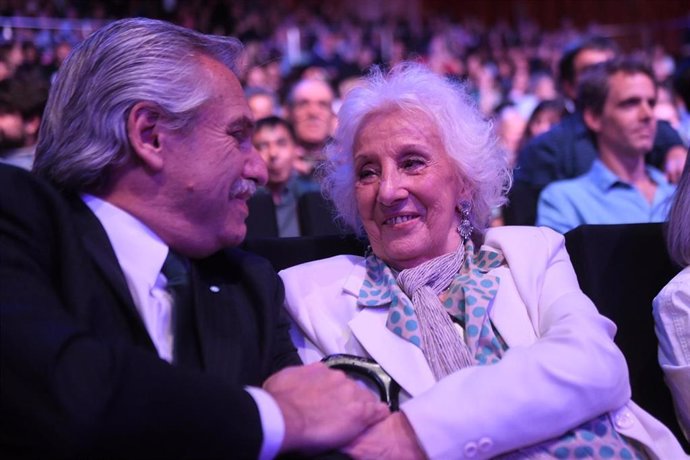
497, 350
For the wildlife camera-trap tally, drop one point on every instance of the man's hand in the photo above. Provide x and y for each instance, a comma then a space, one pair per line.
674, 162
393, 438
323, 409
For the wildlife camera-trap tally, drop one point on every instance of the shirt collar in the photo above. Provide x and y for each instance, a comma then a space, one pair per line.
138, 249
602, 176
605, 179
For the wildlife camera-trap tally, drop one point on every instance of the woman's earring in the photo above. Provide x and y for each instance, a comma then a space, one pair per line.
465, 227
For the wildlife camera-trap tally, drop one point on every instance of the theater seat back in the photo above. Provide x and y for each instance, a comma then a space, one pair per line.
622, 268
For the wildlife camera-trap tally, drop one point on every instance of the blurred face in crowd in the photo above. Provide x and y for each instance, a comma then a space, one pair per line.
584, 59
666, 109
11, 129
209, 170
406, 187
278, 150
543, 121
312, 112
627, 124
262, 105
511, 126
256, 78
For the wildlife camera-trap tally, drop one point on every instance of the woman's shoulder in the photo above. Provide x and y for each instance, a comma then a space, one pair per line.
323, 271
522, 236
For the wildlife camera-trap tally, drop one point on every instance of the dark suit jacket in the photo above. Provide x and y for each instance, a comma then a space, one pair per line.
565, 151
79, 376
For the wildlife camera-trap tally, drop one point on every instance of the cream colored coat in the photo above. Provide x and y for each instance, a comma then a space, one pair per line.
562, 367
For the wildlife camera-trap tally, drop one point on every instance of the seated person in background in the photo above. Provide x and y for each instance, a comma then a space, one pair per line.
617, 99
262, 102
510, 125
145, 156
310, 110
22, 101
672, 306
274, 138
546, 114
567, 150
487, 331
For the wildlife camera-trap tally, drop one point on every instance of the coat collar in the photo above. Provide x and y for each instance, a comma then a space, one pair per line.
404, 361
98, 246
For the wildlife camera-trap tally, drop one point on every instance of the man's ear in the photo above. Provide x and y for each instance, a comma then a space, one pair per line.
592, 120
144, 130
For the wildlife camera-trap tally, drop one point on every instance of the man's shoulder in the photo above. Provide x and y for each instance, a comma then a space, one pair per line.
324, 273
23, 193
571, 186
14, 176
518, 234
566, 150
568, 128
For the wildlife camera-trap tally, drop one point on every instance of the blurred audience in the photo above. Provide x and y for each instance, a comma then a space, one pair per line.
262, 102
505, 64
681, 87
510, 125
22, 101
545, 115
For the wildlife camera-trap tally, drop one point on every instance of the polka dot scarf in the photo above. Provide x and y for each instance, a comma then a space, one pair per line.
470, 291
469, 299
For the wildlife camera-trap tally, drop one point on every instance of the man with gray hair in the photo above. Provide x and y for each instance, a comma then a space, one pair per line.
129, 327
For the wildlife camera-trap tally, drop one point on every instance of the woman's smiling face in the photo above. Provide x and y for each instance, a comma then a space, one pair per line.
407, 188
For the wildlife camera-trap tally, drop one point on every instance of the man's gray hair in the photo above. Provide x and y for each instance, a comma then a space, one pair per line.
469, 139
83, 135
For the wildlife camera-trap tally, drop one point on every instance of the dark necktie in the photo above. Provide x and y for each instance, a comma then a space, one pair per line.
176, 270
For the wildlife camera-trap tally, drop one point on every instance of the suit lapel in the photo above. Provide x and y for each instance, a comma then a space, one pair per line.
219, 325
401, 359
97, 245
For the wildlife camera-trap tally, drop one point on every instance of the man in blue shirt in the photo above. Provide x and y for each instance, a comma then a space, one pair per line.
617, 98
567, 150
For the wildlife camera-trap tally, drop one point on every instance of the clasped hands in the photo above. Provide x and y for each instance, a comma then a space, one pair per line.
325, 410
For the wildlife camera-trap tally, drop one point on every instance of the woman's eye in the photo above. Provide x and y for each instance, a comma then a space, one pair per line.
366, 173
413, 163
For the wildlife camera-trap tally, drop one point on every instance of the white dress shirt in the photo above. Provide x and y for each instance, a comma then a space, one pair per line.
141, 253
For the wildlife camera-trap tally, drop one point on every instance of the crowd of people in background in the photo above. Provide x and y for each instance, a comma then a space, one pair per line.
301, 58
152, 139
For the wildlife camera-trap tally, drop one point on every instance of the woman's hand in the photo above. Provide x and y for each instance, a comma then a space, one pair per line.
323, 409
392, 438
